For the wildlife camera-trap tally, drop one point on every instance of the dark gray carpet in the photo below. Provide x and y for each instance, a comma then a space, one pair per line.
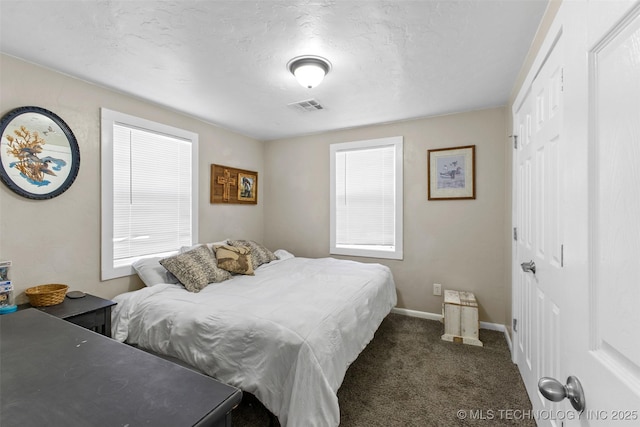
408, 376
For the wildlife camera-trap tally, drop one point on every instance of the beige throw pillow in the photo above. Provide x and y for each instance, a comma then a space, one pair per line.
259, 254
236, 259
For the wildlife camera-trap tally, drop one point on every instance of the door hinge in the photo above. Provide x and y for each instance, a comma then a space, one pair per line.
515, 233
561, 255
515, 141
514, 325
562, 80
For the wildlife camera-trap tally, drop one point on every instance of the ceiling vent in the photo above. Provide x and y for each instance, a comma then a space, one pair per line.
308, 105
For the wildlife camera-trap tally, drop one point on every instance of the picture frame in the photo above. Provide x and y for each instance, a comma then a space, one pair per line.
233, 186
247, 187
451, 173
39, 154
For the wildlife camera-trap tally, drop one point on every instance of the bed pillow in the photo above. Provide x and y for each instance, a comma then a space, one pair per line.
184, 249
220, 243
236, 259
259, 254
151, 272
283, 254
195, 268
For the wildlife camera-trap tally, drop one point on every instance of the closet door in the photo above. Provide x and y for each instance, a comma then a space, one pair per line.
537, 267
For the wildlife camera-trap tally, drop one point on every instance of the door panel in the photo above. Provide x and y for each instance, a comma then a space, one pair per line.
616, 251
538, 207
547, 139
613, 348
523, 291
577, 201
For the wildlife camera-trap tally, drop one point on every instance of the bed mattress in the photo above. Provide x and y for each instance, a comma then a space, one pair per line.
286, 334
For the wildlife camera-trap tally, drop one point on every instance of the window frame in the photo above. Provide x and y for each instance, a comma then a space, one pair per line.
107, 120
397, 252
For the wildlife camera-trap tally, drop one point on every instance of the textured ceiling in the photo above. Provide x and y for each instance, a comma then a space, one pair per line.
225, 61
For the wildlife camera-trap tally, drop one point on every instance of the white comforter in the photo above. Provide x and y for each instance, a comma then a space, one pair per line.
287, 334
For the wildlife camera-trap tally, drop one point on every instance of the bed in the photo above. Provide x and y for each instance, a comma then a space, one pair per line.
286, 334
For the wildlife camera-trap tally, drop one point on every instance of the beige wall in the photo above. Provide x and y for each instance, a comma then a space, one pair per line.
459, 244
58, 240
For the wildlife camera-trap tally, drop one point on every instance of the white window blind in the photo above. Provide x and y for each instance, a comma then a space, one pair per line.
366, 199
149, 191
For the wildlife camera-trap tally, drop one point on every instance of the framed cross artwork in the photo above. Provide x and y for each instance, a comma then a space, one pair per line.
233, 185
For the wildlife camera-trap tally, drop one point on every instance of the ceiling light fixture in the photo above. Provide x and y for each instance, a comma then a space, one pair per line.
309, 70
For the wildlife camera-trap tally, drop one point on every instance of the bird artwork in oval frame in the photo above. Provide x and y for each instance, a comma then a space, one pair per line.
451, 173
39, 154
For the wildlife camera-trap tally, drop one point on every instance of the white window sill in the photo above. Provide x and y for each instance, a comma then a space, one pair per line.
384, 252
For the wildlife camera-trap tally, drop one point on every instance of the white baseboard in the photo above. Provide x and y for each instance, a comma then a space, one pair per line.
414, 313
508, 338
432, 316
492, 326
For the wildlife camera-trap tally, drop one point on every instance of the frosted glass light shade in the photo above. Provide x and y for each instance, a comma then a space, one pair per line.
310, 75
309, 70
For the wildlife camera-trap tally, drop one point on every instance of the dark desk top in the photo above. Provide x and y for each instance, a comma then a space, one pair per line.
55, 373
72, 307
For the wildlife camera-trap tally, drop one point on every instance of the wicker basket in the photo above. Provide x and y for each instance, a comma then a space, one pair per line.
45, 295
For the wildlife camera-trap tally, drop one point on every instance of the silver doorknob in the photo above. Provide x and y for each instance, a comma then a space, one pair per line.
529, 266
554, 391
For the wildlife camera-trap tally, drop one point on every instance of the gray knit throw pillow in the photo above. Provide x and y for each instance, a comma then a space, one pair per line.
195, 268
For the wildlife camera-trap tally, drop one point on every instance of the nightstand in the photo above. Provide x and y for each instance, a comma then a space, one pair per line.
90, 312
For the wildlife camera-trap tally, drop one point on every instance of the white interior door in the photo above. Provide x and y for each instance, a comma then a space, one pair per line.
580, 314
538, 164
604, 279
522, 301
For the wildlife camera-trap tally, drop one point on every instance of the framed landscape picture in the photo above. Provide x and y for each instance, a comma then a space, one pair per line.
451, 173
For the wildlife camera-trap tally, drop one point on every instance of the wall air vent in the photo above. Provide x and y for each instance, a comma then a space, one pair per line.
307, 105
